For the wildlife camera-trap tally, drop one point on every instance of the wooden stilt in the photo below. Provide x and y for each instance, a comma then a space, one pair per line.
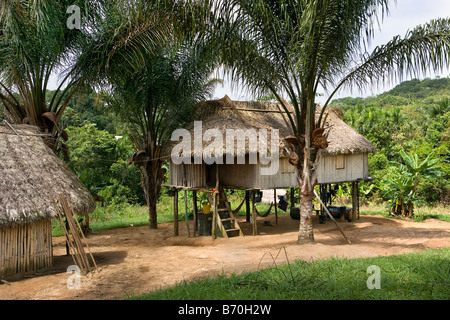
214, 217
292, 197
355, 201
175, 212
216, 205
195, 209
186, 217
255, 231
247, 206
275, 203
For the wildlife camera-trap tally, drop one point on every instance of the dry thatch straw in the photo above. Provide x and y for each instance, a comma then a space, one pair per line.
32, 176
226, 114
343, 139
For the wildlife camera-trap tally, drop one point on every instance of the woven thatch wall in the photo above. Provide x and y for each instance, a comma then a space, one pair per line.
337, 168
25, 247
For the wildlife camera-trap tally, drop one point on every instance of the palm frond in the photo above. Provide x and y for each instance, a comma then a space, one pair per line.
423, 49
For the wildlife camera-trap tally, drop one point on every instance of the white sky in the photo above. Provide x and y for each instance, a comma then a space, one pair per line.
404, 15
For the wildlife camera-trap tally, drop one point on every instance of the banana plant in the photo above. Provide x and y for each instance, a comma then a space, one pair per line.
401, 187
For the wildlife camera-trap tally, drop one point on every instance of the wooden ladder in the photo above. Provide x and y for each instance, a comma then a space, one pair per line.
226, 221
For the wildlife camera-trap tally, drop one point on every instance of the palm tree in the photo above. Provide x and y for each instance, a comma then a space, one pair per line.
159, 98
36, 43
291, 48
151, 60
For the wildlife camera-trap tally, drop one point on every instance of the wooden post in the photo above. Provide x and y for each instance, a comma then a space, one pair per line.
216, 206
292, 197
195, 208
175, 212
355, 200
275, 204
67, 244
214, 217
186, 217
255, 231
86, 221
247, 206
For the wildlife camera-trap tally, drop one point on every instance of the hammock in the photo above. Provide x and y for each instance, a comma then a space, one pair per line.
239, 207
235, 211
265, 214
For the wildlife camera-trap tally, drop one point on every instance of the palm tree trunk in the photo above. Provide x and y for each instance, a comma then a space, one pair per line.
305, 233
306, 182
151, 183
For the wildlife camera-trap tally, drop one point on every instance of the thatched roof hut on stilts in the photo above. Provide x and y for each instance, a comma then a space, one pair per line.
345, 159
31, 179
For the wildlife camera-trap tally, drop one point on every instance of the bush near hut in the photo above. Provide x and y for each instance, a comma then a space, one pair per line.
99, 159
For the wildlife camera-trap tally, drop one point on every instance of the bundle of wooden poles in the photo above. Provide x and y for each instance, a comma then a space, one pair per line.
72, 231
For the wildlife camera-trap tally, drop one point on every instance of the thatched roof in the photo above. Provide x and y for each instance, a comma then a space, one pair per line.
32, 177
226, 114
342, 138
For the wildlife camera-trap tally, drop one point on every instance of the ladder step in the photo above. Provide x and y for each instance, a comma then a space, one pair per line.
227, 230
228, 219
222, 209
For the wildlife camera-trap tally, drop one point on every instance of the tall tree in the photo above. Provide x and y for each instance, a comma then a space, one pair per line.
34, 43
154, 81
38, 40
291, 48
159, 98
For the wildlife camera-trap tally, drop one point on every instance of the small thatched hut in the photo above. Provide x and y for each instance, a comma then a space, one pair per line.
31, 178
344, 160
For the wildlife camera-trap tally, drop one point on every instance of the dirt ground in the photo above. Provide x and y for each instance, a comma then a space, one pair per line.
136, 259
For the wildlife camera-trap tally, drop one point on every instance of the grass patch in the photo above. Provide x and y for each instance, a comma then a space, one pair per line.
124, 215
416, 276
421, 213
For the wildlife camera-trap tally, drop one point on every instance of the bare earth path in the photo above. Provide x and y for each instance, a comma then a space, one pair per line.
137, 259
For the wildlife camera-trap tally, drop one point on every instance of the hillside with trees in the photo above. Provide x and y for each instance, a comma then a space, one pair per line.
410, 127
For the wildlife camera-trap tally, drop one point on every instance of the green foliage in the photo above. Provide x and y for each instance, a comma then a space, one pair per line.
92, 153
35, 42
85, 107
413, 118
99, 159
401, 188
